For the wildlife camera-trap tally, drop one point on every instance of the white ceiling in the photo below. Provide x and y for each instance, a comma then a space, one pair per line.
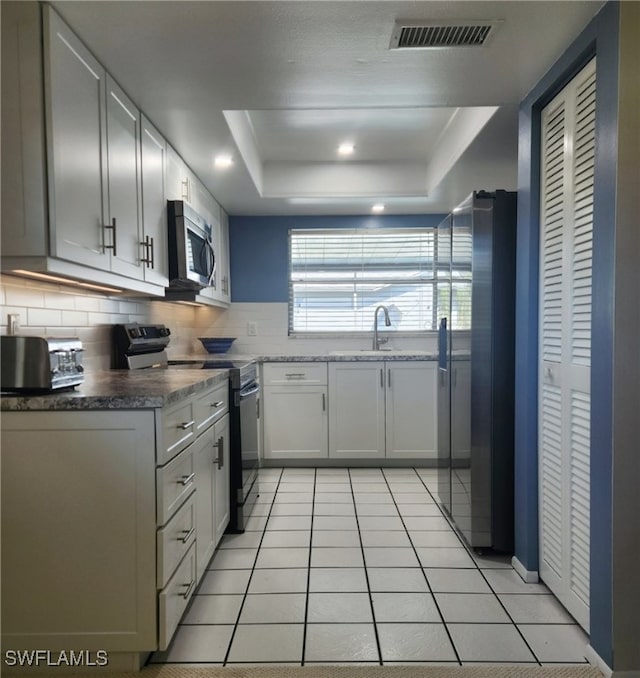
278, 85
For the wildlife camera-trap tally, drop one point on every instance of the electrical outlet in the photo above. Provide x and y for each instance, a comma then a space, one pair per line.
252, 328
13, 322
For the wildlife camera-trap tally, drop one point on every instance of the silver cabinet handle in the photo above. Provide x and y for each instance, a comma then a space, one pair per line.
152, 247
186, 189
389, 378
219, 445
112, 227
185, 480
381, 378
187, 424
220, 403
189, 586
294, 375
324, 404
187, 535
147, 257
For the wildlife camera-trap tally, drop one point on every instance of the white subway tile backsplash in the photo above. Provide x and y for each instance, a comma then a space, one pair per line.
43, 316
75, 318
59, 301
87, 303
17, 295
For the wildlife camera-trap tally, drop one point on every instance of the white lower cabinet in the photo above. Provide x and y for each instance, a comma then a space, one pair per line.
79, 530
295, 422
212, 490
108, 527
350, 410
356, 410
411, 408
295, 411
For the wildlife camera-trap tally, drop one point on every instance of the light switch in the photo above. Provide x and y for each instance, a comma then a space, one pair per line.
252, 328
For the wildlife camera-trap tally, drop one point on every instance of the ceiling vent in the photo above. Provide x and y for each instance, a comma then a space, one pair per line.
442, 34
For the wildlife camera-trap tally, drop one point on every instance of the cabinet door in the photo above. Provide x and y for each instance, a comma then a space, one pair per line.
79, 530
75, 86
356, 410
205, 490
223, 258
123, 160
179, 185
295, 422
154, 206
221, 502
411, 410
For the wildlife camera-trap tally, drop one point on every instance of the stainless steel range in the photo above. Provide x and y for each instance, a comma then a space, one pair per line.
144, 346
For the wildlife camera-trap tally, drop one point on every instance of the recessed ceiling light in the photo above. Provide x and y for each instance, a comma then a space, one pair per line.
346, 149
378, 208
223, 161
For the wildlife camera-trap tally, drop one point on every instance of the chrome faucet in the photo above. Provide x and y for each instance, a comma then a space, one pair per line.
377, 340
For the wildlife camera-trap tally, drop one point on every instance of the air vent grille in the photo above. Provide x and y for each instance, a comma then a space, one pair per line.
421, 36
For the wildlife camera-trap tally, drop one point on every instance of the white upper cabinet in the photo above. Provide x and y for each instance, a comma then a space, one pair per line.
85, 177
154, 206
181, 181
224, 258
76, 85
124, 185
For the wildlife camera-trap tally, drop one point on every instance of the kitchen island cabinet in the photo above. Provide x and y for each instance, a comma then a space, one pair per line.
100, 509
79, 530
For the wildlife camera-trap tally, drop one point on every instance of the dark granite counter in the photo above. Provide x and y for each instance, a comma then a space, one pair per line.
120, 389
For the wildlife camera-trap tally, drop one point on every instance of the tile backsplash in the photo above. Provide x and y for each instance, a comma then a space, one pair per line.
271, 321
57, 310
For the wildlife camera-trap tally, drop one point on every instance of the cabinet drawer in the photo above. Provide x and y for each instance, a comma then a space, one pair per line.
174, 598
174, 482
278, 374
174, 540
210, 406
178, 430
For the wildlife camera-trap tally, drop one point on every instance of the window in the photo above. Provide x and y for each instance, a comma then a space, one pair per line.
337, 278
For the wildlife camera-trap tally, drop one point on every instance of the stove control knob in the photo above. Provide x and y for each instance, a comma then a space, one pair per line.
134, 332
164, 332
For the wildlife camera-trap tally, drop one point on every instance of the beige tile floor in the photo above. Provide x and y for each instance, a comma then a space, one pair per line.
360, 566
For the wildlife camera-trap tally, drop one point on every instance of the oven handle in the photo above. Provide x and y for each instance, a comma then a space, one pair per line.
249, 391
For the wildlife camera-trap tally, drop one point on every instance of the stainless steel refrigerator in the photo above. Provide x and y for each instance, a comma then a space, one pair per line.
476, 259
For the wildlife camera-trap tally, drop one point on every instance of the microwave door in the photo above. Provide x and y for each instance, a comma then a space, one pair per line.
212, 264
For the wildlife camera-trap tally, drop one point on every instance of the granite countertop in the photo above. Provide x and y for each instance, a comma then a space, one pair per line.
333, 356
351, 356
120, 389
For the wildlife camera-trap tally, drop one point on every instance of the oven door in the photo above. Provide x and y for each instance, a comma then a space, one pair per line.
249, 399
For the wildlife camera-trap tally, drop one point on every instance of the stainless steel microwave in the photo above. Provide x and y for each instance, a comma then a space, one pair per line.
192, 257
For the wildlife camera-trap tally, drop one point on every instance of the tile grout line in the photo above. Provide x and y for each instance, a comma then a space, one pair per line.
469, 551
306, 600
366, 573
246, 591
424, 574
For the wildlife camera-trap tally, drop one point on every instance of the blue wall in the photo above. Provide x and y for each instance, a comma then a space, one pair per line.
259, 248
600, 38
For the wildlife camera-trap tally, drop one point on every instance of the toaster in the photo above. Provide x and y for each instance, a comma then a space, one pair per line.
40, 363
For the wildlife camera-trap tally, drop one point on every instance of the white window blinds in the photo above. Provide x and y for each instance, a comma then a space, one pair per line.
338, 278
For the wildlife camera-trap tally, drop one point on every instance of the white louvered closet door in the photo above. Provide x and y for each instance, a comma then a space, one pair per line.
566, 215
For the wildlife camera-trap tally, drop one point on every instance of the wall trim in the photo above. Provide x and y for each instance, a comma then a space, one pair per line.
528, 576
